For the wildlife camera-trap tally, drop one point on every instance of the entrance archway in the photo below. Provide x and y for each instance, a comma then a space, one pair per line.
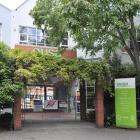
50, 102
99, 109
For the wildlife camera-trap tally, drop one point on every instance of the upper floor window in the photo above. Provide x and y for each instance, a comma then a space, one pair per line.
34, 36
64, 43
0, 31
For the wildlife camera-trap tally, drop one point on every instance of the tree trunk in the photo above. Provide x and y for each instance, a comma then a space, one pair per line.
82, 100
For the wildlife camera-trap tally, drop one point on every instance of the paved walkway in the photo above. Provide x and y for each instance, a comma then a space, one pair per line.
68, 130
50, 116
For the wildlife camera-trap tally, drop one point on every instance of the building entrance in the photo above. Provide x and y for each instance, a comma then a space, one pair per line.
50, 103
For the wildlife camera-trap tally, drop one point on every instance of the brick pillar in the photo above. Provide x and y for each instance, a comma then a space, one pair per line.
99, 104
17, 113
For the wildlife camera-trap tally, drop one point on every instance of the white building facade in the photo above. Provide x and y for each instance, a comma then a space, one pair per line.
16, 28
5, 24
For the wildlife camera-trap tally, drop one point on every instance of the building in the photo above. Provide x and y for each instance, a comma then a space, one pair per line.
18, 24
5, 24
17, 30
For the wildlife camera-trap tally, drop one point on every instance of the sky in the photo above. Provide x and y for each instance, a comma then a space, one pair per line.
11, 4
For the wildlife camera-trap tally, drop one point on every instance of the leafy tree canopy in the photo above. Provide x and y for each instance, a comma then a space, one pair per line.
94, 24
19, 68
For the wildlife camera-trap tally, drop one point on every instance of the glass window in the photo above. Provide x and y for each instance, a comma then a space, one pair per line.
46, 41
90, 94
39, 33
32, 39
64, 43
32, 31
23, 29
34, 36
40, 40
23, 38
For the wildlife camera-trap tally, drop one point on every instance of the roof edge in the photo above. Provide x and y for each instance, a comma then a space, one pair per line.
21, 5
5, 7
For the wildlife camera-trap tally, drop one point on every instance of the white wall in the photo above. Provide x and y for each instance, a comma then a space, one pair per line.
137, 20
123, 56
82, 54
5, 19
21, 16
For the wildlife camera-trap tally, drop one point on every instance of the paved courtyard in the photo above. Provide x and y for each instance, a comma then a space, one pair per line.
67, 130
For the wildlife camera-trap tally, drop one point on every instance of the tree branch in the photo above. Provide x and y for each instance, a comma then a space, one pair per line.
129, 51
132, 33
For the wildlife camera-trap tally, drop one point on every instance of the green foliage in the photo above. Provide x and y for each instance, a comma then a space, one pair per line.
8, 88
18, 68
110, 120
94, 24
91, 116
119, 70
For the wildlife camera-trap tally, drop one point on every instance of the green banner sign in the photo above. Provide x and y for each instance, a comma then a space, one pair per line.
125, 103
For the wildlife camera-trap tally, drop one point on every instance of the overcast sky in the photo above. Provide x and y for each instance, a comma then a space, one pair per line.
11, 4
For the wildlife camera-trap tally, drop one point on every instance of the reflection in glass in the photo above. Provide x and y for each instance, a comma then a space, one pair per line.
23, 29
39, 33
64, 42
40, 40
32, 39
23, 37
32, 31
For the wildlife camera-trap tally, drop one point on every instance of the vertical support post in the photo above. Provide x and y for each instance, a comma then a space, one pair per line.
82, 100
17, 113
99, 101
45, 93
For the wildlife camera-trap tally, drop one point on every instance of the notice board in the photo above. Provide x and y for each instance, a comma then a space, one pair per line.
125, 103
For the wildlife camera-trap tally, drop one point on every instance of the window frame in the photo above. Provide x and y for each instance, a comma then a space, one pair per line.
67, 39
44, 36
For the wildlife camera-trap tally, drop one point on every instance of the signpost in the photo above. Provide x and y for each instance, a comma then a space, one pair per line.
125, 103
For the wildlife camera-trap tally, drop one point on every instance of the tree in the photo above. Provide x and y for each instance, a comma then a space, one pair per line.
94, 24
17, 69
8, 88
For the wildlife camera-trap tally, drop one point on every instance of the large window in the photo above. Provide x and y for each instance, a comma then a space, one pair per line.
0, 31
34, 36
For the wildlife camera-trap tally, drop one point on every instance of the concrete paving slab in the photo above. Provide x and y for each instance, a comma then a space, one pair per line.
68, 130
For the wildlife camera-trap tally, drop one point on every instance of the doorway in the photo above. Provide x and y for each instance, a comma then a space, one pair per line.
50, 103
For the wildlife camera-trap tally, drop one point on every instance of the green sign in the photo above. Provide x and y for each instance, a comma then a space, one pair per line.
125, 103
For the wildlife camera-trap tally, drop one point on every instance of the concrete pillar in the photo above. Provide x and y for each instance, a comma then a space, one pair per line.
17, 113
99, 104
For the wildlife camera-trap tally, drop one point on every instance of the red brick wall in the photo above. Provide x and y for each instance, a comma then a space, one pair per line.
68, 54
